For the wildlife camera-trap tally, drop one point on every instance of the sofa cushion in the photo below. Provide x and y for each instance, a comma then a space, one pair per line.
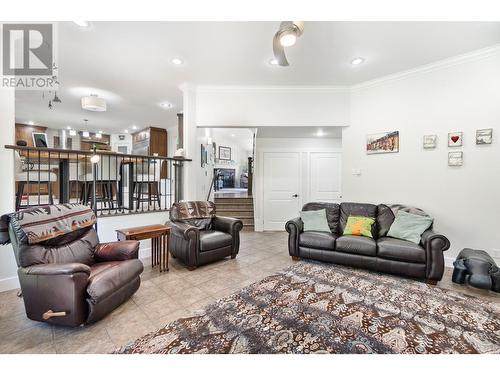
356, 209
107, 277
385, 218
356, 245
396, 249
315, 221
409, 227
359, 226
332, 213
213, 239
318, 240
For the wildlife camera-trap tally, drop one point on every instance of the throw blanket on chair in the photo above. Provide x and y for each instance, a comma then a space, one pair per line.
196, 213
45, 222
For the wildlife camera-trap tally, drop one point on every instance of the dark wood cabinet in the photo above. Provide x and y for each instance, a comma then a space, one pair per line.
151, 141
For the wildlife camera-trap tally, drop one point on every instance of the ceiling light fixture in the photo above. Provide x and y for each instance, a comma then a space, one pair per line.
82, 23
166, 105
320, 133
286, 36
31, 123
134, 127
125, 131
93, 103
68, 127
357, 61
177, 61
100, 131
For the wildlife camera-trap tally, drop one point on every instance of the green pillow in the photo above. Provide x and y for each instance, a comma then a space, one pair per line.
409, 227
315, 221
359, 226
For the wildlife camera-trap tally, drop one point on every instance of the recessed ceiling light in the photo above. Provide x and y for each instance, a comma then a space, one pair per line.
100, 132
134, 127
357, 61
319, 133
31, 123
125, 131
82, 23
166, 105
68, 127
177, 61
273, 62
233, 135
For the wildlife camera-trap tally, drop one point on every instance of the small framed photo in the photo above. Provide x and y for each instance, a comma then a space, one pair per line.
455, 159
455, 139
224, 153
430, 141
484, 136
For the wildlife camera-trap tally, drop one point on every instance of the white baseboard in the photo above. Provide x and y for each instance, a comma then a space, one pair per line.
9, 283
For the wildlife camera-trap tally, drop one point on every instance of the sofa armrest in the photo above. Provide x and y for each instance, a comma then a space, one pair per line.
434, 245
227, 224
294, 227
57, 269
232, 226
186, 231
119, 250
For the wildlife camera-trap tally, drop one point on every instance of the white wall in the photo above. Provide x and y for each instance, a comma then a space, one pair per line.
247, 106
303, 145
8, 267
115, 142
462, 95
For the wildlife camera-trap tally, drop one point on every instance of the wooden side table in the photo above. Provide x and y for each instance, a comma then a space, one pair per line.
159, 235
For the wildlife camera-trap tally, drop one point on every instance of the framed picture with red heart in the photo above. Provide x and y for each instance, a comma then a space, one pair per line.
455, 139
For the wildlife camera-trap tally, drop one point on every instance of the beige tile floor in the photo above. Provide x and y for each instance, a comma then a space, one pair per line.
161, 298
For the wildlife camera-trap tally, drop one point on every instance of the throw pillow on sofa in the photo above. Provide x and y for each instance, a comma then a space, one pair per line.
359, 226
409, 227
315, 221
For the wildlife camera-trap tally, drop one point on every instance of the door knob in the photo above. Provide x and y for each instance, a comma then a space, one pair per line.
295, 195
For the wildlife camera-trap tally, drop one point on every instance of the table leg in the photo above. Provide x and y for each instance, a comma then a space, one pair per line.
165, 244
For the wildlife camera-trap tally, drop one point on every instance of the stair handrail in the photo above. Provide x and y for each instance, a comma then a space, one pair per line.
216, 174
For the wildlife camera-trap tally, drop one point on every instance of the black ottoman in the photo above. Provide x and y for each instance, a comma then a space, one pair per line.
477, 268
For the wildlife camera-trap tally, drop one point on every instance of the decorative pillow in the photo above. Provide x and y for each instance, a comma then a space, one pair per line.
315, 221
409, 227
359, 226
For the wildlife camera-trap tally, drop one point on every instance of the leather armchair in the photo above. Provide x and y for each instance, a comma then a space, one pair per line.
198, 245
73, 279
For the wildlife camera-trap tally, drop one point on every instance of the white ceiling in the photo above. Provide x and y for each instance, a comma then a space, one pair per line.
129, 63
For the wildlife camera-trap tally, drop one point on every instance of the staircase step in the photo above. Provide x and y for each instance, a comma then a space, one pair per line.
235, 213
233, 206
248, 228
233, 200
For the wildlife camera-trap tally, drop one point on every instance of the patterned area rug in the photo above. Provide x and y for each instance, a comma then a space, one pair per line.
323, 308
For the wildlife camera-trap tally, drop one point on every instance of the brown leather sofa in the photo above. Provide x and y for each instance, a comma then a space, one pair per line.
75, 275
200, 241
385, 254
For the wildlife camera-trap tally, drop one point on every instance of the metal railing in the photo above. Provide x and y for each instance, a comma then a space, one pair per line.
111, 183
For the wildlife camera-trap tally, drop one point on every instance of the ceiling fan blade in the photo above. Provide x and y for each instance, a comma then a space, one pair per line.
279, 51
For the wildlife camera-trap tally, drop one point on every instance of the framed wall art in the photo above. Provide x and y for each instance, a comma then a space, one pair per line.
430, 141
455, 139
381, 143
224, 153
484, 136
455, 159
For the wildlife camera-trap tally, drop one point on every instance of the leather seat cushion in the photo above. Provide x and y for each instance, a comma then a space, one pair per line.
396, 249
108, 277
318, 240
213, 239
356, 245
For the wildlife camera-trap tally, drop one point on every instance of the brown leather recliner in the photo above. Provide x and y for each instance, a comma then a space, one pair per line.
73, 279
199, 241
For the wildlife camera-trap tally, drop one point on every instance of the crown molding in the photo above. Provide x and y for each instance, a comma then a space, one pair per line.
434, 66
275, 88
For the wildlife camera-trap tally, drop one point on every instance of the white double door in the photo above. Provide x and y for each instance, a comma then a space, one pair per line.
291, 179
